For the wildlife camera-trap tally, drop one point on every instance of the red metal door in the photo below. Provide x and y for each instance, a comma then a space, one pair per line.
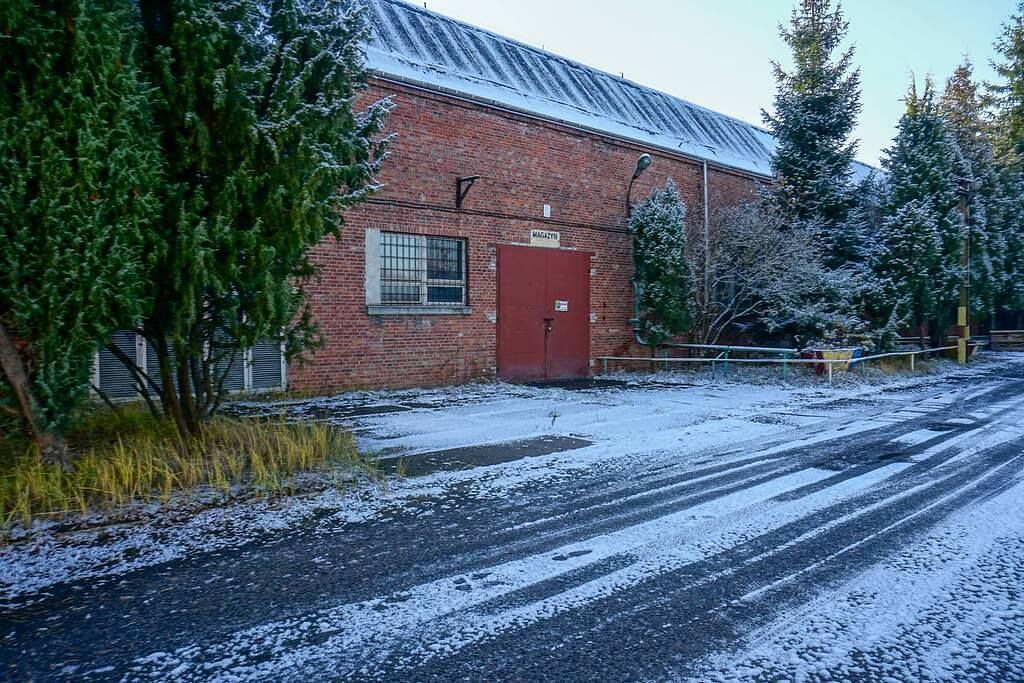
522, 280
568, 314
543, 313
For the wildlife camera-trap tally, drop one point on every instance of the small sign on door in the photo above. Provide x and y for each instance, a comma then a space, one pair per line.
561, 306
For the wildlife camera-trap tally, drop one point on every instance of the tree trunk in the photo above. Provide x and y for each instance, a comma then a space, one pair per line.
144, 381
168, 395
185, 398
51, 446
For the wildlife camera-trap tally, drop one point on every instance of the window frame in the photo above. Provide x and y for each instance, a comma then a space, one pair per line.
385, 270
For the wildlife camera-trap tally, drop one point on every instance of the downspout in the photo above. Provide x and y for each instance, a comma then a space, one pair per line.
707, 241
707, 246
636, 316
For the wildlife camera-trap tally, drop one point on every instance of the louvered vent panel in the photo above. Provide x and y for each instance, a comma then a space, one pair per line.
235, 379
116, 381
266, 366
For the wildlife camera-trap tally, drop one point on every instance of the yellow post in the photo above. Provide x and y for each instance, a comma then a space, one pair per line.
966, 186
965, 333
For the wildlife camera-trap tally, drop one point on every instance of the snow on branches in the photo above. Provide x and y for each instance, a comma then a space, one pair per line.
663, 279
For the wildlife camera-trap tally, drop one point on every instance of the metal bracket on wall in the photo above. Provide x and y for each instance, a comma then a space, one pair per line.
462, 185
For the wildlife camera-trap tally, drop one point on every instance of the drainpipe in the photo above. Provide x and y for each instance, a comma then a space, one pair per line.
636, 316
642, 163
707, 242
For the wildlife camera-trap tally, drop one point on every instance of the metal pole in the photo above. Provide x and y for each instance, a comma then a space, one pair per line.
965, 278
829, 373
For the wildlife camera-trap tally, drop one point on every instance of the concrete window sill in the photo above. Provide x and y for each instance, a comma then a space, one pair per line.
418, 310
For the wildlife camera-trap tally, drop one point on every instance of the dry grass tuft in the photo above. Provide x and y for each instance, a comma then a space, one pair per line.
131, 457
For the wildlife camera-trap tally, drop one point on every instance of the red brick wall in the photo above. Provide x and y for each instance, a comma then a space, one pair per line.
524, 163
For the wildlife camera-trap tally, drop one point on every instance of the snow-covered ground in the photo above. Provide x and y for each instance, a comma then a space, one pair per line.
701, 416
716, 531
947, 607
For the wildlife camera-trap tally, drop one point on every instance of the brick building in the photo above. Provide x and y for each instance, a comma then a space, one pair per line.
497, 245
529, 273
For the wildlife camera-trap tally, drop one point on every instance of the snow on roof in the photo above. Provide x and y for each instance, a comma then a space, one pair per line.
416, 45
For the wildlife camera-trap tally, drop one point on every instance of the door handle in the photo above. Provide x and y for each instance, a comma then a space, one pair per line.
547, 324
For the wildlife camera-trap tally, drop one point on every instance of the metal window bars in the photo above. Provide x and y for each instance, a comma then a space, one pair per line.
420, 270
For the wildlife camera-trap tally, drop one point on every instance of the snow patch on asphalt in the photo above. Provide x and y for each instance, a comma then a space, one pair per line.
911, 617
442, 617
918, 436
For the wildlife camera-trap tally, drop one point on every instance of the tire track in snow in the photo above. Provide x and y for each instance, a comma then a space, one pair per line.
703, 598
392, 616
823, 496
482, 547
477, 551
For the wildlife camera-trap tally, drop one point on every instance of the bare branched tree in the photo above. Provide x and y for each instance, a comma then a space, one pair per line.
761, 274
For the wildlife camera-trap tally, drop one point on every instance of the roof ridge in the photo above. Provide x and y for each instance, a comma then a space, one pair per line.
408, 5
421, 46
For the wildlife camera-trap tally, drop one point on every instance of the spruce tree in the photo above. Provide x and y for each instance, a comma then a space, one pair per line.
78, 172
815, 109
1009, 300
1005, 98
1004, 101
264, 149
921, 235
663, 277
963, 114
855, 239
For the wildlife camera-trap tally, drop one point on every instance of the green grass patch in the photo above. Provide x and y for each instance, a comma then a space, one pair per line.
131, 457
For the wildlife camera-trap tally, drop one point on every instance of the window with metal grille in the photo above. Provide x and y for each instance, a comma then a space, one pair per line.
419, 270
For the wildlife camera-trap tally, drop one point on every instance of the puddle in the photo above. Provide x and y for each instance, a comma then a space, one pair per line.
477, 456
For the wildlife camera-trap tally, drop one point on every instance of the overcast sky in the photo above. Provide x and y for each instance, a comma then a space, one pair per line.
717, 52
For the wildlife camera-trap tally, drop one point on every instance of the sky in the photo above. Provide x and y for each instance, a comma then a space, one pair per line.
717, 53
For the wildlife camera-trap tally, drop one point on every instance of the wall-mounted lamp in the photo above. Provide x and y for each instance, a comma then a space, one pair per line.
462, 185
642, 163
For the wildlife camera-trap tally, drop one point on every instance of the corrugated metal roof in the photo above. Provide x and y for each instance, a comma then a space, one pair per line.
414, 44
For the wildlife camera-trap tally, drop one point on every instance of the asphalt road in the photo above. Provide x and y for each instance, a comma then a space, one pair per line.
652, 554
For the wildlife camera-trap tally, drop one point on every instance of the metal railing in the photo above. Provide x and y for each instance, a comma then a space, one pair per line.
1008, 340
785, 362
733, 348
724, 355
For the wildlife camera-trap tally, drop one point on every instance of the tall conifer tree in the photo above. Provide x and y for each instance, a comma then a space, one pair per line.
815, 109
264, 148
663, 276
78, 170
920, 254
962, 112
1004, 100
